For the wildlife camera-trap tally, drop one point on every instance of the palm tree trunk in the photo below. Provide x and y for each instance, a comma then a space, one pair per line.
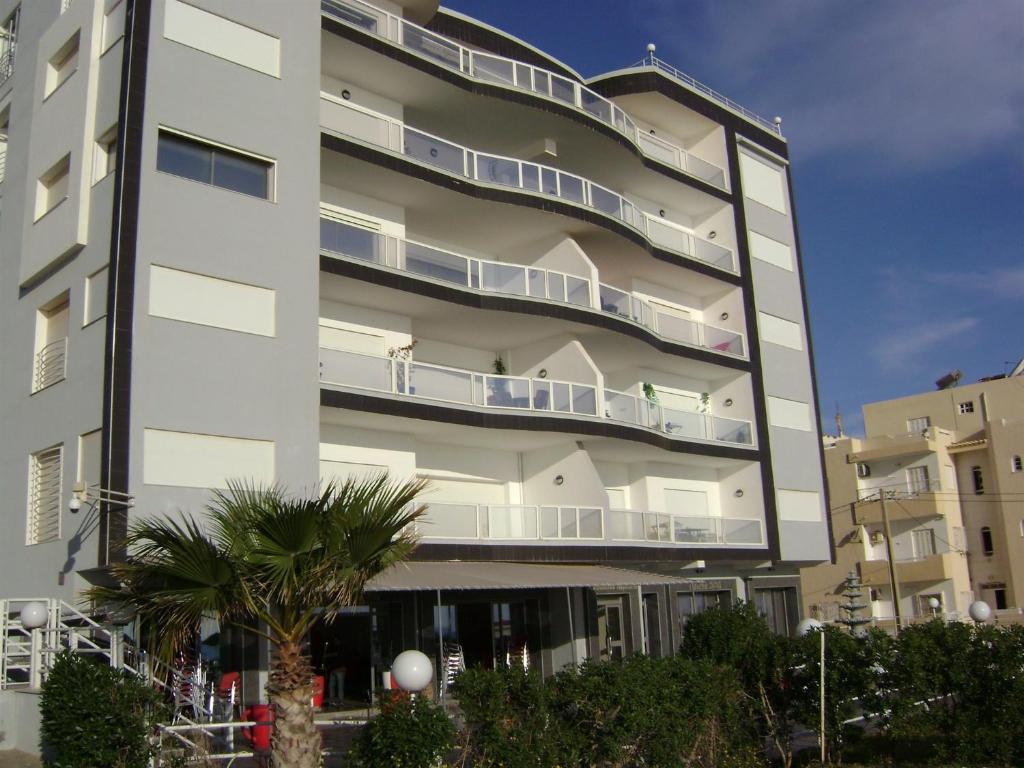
295, 742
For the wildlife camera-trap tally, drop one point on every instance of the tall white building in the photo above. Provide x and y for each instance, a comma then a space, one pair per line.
294, 241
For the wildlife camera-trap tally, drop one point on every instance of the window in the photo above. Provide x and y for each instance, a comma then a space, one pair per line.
113, 25
95, 296
8, 44
967, 407
1000, 596
917, 480
986, 541
919, 424
44, 492
52, 188
1015, 464
51, 344
978, 479
62, 65
692, 603
213, 164
780, 608
105, 155
5, 123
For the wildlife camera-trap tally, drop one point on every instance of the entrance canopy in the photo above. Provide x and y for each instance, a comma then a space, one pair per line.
419, 576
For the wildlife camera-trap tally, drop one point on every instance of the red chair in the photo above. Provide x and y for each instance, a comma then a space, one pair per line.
318, 692
226, 696
259, 735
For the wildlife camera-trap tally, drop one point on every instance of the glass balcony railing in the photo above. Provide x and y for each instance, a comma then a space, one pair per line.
448, 520
665, 527
483, 390
621, 406
518, 280
347, 119
523, 77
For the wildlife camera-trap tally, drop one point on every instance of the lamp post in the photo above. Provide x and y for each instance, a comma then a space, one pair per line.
980, 611
34, 616
933, 603
805, 627
412, 671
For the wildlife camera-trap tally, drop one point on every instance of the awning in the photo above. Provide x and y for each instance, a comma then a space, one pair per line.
420, 576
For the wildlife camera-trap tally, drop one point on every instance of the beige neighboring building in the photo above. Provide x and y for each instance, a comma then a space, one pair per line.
950, 465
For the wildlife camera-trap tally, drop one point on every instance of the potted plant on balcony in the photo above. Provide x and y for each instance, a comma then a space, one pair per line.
402, 355
500, 395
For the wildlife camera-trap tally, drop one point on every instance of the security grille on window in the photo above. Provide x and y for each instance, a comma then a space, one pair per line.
967, 407
44, 494
213, 164
919, 424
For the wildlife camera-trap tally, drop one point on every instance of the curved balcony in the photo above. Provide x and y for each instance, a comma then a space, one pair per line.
342, 239
487, 67
394, 136
457, 386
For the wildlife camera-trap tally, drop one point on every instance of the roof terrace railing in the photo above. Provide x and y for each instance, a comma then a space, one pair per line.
524, 77
391, 134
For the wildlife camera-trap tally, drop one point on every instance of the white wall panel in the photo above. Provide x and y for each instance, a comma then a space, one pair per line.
193, 298
799, 506
791, 414
778, 331
95, 296
763, 183
204, 461
222, 37
771, 251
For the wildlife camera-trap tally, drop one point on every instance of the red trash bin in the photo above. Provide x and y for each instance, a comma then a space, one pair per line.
258, 735
318, 691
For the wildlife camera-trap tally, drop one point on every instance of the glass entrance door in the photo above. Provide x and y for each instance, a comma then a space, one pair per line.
610, 629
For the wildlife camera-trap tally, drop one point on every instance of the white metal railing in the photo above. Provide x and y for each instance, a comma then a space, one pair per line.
455, 385
50, 364
901, 490
452, 520
622, 406
630, 525
524, 77
654, 61
383, 131
338, 237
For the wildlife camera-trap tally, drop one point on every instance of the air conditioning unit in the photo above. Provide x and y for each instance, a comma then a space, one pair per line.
863, 470
877, 537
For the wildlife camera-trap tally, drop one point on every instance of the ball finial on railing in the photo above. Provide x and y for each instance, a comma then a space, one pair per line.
651, 48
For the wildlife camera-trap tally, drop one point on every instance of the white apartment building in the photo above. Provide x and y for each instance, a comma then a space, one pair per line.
294, 241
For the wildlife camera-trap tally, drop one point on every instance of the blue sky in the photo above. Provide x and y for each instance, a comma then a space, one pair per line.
906, 127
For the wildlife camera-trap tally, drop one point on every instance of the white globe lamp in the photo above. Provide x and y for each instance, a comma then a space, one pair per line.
412, 671
33, 615
808, 625
980, 611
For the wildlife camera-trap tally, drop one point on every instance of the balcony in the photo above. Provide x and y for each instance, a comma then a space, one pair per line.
489, 68
406, 378
664, 527
903, 505
496, 522
929, 569
353, 121
50, 365
352, 242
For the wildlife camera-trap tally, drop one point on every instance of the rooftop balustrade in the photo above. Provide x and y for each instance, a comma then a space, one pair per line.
524, 77
338, 237
407, 378
391, 134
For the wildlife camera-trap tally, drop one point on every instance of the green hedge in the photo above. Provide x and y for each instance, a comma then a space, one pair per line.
97, 717
406, 734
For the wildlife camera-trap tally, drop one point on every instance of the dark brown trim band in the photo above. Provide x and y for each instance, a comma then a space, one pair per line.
117, 364
533, 422
521, 305
597, 553
468, 187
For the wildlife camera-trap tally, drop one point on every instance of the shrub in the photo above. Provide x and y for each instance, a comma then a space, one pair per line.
97, 717
408, 733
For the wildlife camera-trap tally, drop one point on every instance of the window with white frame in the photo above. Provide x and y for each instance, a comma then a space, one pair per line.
919, 424
967, 406
44, 495
917, 480
105, 155
61, 65
51, 344
52, 187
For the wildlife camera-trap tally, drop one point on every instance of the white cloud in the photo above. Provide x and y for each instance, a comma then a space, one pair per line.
904, 348
994, 282
904, 83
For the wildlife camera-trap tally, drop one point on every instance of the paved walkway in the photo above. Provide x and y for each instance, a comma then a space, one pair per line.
12, 758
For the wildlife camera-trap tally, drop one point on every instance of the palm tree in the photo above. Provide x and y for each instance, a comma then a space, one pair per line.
272, 565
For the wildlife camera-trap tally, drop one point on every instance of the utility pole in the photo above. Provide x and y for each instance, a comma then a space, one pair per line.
889, 555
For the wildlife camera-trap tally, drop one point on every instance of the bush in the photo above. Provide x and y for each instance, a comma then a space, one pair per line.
97, 717
408, 733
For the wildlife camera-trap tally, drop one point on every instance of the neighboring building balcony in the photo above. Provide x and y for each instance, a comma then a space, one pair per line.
933, 568
482, 275
903, 505
50, 364
465, 388
893, 446
523, 77
500, 522
363, 125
